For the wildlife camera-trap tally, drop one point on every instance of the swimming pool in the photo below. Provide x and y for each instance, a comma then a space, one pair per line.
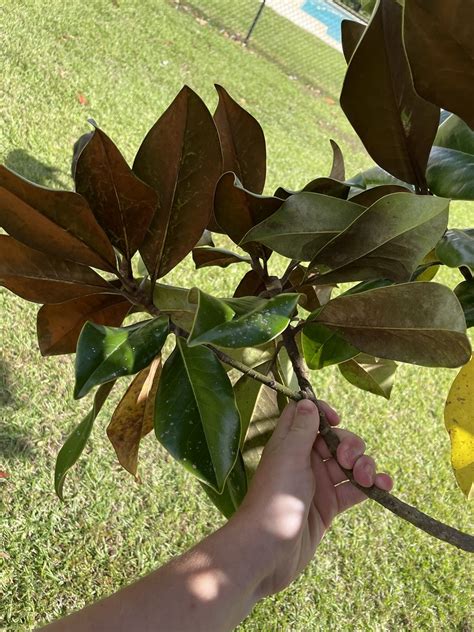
331, 15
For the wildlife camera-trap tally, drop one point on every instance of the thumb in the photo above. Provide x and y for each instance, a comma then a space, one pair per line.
304, 427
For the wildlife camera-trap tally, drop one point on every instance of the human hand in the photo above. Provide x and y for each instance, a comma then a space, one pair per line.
298, 489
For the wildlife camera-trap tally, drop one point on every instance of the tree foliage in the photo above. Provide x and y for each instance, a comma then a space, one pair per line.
93, 258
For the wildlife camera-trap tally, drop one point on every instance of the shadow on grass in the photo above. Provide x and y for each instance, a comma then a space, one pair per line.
20, 161
13, 442
6, 391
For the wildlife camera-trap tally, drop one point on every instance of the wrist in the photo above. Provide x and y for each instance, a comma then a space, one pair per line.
254, 551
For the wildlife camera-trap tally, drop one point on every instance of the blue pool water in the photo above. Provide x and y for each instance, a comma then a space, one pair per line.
329, 14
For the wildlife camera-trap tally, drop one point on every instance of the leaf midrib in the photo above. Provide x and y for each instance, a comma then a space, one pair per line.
183, 357
367, 253
119, 205
158, 266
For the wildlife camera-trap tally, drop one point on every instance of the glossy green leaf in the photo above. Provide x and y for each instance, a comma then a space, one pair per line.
396, 125
105, 353
285, 368
323, 347
375, 375
440, 47
454, 133
174, 301
465, 294
247, 392
304, 224
387, 240
245, 304
214, 322
75, 443
456, 248
234, 490
451, 169
211, 312
196, 418
418, 323
205, 257
252, 356
450, 173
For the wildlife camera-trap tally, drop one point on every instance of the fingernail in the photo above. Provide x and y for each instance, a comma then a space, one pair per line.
305, 407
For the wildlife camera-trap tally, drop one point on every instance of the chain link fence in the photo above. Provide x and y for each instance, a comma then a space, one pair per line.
301, 36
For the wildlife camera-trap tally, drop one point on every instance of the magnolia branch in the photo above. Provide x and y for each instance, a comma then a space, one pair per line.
401, 509
437, 529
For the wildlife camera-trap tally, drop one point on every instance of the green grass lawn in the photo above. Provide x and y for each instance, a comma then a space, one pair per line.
299, 54
128, 59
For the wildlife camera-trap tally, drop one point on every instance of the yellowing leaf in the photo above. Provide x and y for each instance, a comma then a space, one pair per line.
428, 273
459, 420
133, 417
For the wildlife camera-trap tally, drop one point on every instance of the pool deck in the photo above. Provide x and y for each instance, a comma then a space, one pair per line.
291, 9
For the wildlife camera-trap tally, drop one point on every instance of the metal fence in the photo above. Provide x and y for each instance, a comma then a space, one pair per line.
301, 36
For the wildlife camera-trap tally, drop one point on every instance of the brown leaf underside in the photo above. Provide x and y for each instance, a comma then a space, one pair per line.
59, 326
122, 204
181, 159
400, 140
43, 278
59, 223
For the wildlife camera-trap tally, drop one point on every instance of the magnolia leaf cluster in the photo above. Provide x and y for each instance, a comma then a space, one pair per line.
361, 254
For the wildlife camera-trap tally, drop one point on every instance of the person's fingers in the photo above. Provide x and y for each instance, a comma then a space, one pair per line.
364, 471
349, 455
284, 423
335, 472
384, 481
332, 416
306, 419
324, 488
348, 495
297, 429
350, 448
